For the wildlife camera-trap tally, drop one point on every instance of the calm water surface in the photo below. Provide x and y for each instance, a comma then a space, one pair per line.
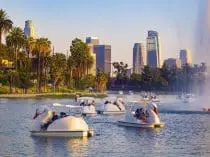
185, 133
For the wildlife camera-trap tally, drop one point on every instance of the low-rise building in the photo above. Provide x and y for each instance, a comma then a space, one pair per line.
173, 63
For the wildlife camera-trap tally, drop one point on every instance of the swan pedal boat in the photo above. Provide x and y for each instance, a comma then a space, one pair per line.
112, 106
88, 106
69, 126
120, 92
131, 120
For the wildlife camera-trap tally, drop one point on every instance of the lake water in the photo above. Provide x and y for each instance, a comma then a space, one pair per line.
185, 133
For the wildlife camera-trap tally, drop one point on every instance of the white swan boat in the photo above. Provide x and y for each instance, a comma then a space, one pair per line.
88, 105
155, 99
120, 92
145, 97
142, 116
67, 126
112, 106
130, 92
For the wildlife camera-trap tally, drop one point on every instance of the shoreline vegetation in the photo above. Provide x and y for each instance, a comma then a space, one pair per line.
54, 95
62, 93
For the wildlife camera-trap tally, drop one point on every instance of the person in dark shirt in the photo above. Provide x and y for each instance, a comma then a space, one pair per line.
55, 116
63, 114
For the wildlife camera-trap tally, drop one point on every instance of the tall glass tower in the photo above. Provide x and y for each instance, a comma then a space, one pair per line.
139, 57
185, 57
154, 59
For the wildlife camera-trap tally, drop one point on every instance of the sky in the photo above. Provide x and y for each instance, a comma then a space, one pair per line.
120, 23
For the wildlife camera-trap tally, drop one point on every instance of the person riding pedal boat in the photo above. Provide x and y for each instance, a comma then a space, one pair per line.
139, 114
55, 116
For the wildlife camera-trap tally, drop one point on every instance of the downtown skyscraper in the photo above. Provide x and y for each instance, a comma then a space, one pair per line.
92, 40
103, 58
185, 56
29, 29
139, 58
154, 59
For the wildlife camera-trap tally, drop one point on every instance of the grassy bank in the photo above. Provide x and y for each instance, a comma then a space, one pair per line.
63, 93
53, 95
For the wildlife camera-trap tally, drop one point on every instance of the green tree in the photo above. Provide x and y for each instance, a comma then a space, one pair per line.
69, 69
5, 25
87, 81
135, 79
81, 59
12, 77
58, 66
41, 50
16, 40
101, 80
121, 72
24, 81
30, 45
147, 78
24, 67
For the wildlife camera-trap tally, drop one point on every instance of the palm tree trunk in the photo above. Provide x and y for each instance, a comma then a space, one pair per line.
38, 74
45, 81
28, 52
10, 87
87, 70
70, 76
16, 59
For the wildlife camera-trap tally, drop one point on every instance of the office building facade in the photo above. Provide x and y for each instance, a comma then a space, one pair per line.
173, 63
29, 29
153, 50
92, 40
139, 58
185, 56
103, 58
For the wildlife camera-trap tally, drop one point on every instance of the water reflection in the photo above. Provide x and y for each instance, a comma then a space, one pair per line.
59, 146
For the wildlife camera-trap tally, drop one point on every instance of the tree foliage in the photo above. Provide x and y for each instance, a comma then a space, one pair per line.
57, 68
5, 25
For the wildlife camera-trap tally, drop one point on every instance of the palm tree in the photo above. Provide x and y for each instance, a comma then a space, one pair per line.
41, 50
79, 53
101, 80
30, 45
57, 68
16, 40
5, 24
11, 77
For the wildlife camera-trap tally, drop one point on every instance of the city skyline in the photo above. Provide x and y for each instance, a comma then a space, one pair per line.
114, 27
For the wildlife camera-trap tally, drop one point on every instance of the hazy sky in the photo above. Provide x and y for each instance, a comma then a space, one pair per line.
119, 23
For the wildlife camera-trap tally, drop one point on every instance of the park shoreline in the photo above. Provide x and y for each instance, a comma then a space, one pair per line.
53, 95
